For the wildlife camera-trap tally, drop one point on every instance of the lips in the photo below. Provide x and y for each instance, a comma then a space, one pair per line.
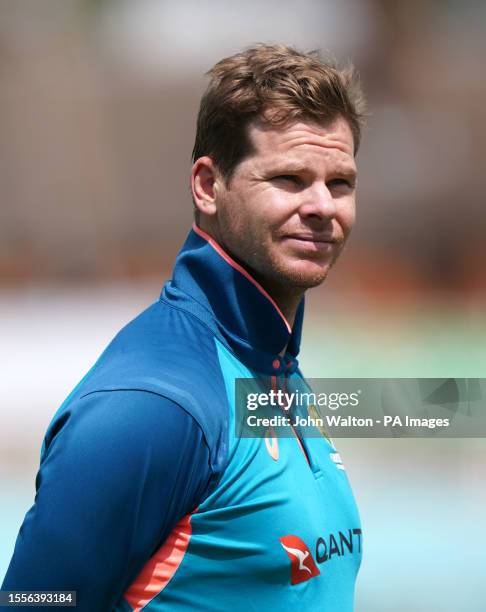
311, 238
309, 245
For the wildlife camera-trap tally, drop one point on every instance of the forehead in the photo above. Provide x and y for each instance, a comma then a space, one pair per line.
303, 141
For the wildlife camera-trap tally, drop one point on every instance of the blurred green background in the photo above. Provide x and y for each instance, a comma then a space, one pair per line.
98, 101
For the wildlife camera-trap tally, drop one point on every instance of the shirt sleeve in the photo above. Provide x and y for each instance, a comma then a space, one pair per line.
117, 474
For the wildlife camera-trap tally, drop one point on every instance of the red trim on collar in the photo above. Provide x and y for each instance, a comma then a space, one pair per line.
240, 269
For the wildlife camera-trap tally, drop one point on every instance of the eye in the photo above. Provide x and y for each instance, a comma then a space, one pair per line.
342, 182
293, 179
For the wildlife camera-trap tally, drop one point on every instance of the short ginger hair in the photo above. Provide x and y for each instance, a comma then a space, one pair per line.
276, 84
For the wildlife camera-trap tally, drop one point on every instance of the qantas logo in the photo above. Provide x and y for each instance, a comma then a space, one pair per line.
303, 565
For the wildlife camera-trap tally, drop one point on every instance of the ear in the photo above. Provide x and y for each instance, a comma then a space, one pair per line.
204, 185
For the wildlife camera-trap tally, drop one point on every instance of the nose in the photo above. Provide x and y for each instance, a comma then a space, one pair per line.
318, 202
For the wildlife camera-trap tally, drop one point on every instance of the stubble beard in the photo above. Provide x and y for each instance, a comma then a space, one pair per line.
290, 280
279, 277
270, 270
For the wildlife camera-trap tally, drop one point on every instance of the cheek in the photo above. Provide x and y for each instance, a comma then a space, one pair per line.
275, 209
240, 223
232, 213
348, 217
254, 216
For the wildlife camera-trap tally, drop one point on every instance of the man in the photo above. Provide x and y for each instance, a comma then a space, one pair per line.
146, 498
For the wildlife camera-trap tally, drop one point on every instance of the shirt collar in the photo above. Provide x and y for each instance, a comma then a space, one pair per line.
208, 282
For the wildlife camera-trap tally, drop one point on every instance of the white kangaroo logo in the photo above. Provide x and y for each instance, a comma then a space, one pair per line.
301, 556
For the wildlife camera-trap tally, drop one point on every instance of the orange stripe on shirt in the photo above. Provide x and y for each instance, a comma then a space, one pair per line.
161, 567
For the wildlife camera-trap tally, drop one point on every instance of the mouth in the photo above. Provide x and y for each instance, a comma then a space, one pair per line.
311, 242
316, 238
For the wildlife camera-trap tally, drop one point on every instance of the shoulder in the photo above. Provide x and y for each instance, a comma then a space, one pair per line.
127, 428
164, 361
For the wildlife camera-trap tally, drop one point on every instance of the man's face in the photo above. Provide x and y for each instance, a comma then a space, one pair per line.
290, 205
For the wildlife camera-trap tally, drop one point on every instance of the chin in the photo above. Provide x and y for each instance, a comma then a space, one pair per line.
304, 275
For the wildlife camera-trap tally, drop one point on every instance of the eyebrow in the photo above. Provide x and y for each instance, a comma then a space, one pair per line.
294, 166
347, 171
